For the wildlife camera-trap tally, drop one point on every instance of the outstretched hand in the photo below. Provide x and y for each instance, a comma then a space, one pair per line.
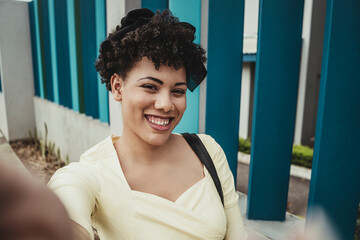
28, 210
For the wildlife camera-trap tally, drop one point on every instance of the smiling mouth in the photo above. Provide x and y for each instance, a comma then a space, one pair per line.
160, 121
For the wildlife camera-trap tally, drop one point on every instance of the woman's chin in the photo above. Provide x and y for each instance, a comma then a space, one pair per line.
157, 140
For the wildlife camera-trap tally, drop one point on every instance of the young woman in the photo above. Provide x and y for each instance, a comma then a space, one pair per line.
148, 183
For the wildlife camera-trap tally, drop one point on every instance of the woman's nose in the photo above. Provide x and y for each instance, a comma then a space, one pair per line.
164, 102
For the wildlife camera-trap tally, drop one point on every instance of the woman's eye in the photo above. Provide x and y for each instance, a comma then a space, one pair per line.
179, 92
149, 86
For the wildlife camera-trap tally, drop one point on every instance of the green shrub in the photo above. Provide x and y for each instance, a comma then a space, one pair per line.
244, 145
302, 155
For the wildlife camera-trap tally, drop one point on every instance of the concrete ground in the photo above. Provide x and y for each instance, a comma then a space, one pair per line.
8, 157
298, 190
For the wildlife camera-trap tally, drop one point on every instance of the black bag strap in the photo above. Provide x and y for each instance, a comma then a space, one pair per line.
198, 147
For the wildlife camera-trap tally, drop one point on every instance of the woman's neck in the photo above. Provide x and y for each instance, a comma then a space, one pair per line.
133, 147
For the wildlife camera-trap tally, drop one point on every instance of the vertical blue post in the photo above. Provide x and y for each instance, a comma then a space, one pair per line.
225, 41
335, 180
100, 13
73, 55
53, 52
88, 44
189, 11
275, 97
155, 5
79, 57
46, 41
62, 54
38, 48
31, 6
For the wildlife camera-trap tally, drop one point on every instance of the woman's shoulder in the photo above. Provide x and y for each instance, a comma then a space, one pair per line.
96, 152
88, 167
215, 151
205, 137
210, 143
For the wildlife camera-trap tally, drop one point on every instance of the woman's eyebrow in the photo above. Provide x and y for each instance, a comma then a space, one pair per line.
161, 82
153, 79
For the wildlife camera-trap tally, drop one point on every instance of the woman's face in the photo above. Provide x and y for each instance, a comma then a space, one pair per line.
153, 101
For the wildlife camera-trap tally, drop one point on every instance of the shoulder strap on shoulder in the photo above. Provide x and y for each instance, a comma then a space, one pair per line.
198, 147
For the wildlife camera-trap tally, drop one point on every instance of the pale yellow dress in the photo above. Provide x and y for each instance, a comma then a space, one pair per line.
95, 193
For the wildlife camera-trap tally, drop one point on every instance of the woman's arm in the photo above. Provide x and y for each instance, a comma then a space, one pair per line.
235, 225
77, 186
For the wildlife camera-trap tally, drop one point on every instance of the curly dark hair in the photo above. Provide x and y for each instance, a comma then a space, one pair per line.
163, 39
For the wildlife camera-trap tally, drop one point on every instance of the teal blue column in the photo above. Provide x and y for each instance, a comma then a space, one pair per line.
53, 52
155, 5
189, 11
100, 18
35, 57
225, 40
275, 98
46, 40
89, 54
73, 56
335, 179
37, 49
79, 58
62, 87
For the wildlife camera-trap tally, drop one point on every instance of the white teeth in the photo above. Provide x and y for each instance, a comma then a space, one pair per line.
160, 122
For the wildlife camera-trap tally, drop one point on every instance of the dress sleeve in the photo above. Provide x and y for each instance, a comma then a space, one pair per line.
235, 226
77, 186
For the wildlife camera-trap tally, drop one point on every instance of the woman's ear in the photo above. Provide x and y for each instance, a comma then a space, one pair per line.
116, 86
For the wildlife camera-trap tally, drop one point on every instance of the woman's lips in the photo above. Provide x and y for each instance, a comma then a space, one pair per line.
159, 123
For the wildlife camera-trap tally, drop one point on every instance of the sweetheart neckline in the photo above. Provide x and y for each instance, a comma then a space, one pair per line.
152, 194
